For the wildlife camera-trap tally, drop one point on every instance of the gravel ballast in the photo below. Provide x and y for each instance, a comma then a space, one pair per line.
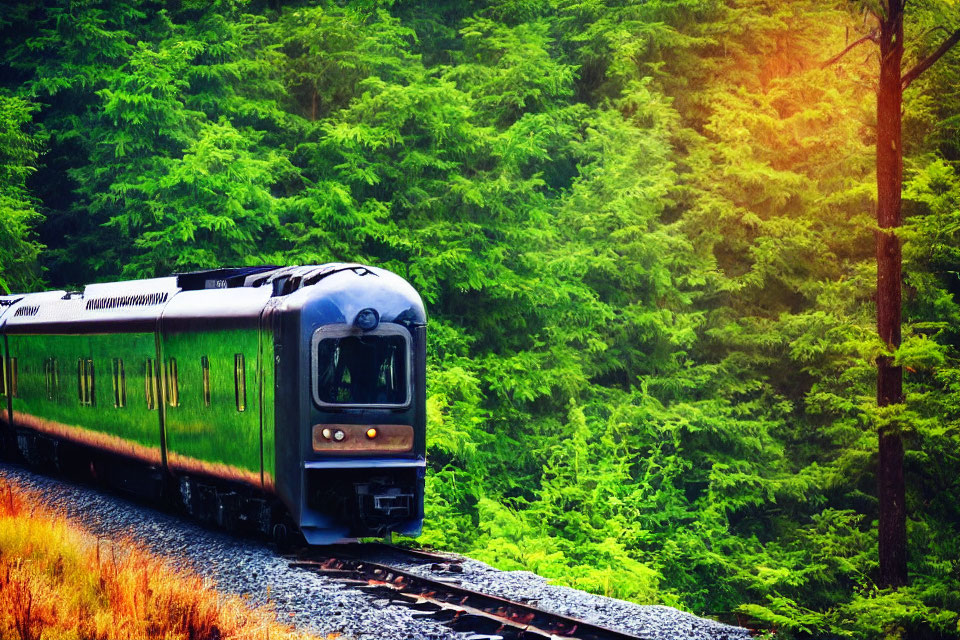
322, 605
647, 621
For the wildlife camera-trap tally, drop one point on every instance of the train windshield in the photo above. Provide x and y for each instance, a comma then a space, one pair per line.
362, 370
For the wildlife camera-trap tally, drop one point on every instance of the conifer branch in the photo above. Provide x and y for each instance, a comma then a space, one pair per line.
927, 62
872, 36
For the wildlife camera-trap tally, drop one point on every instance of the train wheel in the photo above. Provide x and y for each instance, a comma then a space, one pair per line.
281, 536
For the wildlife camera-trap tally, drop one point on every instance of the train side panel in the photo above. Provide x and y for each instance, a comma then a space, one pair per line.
213, 403
94, 389
212, 350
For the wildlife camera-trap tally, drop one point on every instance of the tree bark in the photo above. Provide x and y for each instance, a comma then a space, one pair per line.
891, 488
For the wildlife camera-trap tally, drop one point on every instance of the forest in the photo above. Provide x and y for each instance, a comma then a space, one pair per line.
644, 231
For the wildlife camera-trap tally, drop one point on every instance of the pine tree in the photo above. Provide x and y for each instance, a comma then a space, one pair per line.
20, 145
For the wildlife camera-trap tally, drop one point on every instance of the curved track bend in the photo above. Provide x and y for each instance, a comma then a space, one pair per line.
481, 616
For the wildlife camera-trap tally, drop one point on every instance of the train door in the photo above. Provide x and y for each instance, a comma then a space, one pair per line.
266, 381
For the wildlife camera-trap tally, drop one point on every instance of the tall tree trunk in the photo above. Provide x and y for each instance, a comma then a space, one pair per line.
891, 489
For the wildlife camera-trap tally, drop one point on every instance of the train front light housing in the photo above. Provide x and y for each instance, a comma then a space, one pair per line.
367, 319
353, 439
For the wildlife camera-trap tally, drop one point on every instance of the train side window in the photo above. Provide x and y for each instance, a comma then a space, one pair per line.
173, 385
240, 381
150, 383
13, 377
55, 375
91, 386
85, 381
205, 366
51, 376
119, 383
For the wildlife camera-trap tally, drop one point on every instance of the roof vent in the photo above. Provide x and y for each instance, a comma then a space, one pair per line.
225, 278
140, 300
26, 310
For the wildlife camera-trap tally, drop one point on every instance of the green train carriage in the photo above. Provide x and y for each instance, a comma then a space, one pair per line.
252, 397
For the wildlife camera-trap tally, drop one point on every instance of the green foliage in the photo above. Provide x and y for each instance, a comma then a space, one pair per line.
19, 150
204, 209
644, 230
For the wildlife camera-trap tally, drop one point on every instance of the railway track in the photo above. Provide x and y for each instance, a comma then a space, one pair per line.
481, 616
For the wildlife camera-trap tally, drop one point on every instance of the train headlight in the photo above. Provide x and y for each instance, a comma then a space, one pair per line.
371, 433
339, 435
367, 319
326, 433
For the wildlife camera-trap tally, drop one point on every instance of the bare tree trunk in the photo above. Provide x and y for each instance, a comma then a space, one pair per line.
890, 481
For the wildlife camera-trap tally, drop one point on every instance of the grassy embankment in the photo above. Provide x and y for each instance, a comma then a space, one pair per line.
59, 581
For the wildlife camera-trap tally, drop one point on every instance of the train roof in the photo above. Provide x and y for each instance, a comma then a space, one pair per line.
238, 293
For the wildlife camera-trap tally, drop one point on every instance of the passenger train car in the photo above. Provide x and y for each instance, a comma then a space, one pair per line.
257, 397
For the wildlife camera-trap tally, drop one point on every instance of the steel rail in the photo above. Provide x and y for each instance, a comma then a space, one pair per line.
464, 609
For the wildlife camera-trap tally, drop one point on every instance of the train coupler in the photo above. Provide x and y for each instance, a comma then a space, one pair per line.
378, 502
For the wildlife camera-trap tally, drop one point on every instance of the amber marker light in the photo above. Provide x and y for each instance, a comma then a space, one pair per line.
371, 433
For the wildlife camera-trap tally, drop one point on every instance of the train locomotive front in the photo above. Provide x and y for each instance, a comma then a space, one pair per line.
350, 406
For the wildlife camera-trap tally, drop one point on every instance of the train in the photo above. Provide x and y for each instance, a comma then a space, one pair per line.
272, 399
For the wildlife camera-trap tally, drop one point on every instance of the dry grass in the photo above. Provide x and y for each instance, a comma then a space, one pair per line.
59, 581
